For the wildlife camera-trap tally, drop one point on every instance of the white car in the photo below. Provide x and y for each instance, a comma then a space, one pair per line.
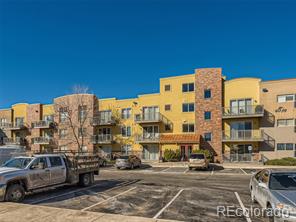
275, 191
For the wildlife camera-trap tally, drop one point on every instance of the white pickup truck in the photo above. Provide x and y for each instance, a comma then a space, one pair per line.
40, 172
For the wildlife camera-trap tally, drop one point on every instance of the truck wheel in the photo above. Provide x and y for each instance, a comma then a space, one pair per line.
85, 180
15, 193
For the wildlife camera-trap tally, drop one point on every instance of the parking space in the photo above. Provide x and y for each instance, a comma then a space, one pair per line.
164, 193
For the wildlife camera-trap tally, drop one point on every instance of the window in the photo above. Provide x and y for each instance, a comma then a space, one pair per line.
63, 148
285, 146
208, 136
19, 121
207, 94
126, 113
167, 107
104, 131
126, 149
241, 106
105, 116
82, 113
48, 118
167, 88
81, 132
285, 122
285, 98
41, 161
188, 87
2, 122
188, 127
167, 127
63, 114
63, 133
55, 161
208, 115
188, 107
126, 131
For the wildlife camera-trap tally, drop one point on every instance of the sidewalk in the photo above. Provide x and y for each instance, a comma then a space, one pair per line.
12, 212
224, 165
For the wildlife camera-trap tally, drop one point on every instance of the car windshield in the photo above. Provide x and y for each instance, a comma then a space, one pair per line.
123, 157
20, 163
283, 181
197, 156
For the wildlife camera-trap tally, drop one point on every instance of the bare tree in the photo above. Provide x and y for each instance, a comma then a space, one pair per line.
74, 112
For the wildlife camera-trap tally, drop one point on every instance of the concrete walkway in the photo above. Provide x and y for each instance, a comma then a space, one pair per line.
225, 165
12, 212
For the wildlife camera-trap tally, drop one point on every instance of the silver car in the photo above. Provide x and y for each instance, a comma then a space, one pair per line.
128, 161
275, 191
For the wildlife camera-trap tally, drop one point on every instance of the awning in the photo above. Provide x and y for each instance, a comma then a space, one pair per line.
179, 138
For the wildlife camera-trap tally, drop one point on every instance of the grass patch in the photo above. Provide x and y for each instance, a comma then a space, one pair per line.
287, 161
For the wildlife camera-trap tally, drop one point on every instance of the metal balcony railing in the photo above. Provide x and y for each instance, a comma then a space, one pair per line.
98, 121
238, 157
149, 117
14, 141
148, 138
243, 111
14, 125
42, 140
42, 124
242, 135
102, 138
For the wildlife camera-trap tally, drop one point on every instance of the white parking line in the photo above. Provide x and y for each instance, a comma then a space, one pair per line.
75, 191
244, 171
245, 212
212, 171
185, 171
168, 204
166, 169
110, 198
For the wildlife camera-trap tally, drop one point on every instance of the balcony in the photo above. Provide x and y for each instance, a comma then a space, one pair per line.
148, 138
243, 112
42, 124
97, 121
42, 140
14, 141
149, 118
14, 126
102, 139
242, 135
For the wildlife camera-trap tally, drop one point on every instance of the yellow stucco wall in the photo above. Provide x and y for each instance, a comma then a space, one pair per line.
242, 88
20, 110
175, 98
47, 109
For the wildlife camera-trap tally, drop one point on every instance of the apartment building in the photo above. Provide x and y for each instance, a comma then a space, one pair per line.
241, 119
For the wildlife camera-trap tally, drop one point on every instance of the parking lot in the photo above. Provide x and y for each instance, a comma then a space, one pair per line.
161, 193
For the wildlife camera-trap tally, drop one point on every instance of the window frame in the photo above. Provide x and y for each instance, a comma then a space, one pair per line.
169, 88
186, 106
208, 139
206, 93
167, 105
125, 132
189, 127
285, 96
207, 115
186, 87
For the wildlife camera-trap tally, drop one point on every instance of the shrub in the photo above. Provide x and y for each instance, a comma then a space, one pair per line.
171, 155
207, 153
287, 161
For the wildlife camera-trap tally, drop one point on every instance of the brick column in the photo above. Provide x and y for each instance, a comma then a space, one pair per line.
210, 78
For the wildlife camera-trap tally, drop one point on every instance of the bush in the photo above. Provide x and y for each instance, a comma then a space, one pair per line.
207, 153
171, 155
287, 161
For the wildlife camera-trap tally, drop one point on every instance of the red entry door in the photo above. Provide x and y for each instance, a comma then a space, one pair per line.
186, 150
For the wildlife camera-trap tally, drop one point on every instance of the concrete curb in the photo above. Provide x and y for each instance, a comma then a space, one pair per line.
13, 212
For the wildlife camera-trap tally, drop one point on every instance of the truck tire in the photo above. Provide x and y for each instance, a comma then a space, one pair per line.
85, 180
15, 193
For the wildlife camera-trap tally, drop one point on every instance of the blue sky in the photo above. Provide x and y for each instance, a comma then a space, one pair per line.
121, 48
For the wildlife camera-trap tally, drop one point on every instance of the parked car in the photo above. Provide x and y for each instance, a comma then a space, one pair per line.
275, 190
103, 162
7, 152
127, 161
26, 174
198, 160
